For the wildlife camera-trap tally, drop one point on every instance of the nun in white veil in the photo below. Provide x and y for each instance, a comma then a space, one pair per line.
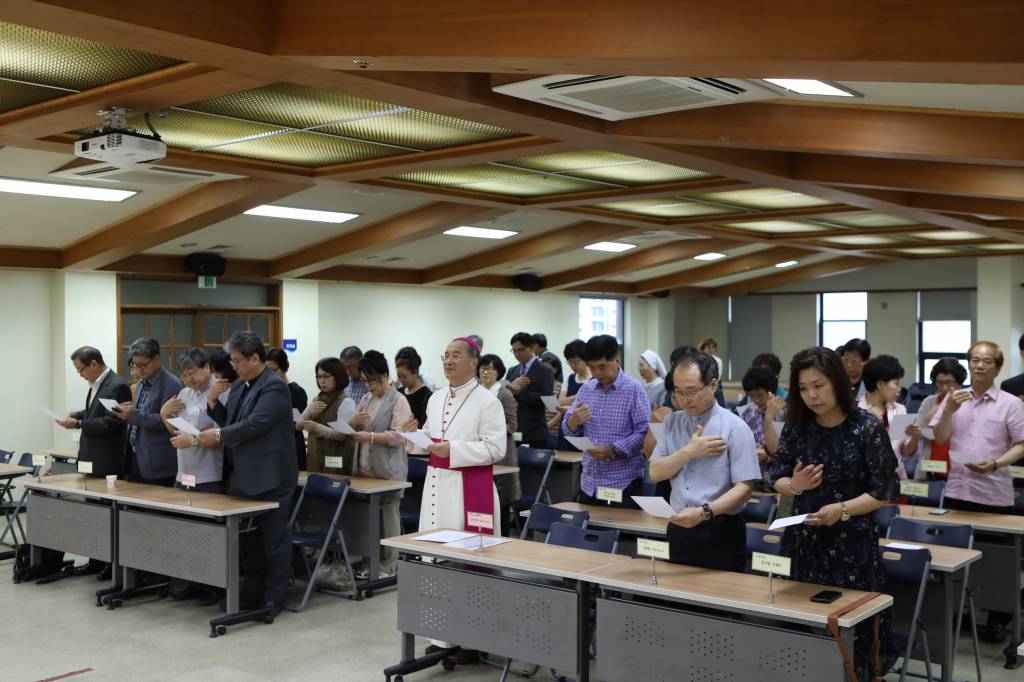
652, 369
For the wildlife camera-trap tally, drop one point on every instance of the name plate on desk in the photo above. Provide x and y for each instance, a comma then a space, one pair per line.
935, 466
913, 489
652, 548
769, 563
479, 520
1017, 472
38, 460
518, 436
334, 462
609, 494
84, 467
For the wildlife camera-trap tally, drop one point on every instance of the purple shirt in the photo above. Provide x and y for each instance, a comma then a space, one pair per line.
985, 427
619, 415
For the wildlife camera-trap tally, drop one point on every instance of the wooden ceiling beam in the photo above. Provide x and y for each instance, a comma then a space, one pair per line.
976, 206
174, 266
29, 257
550, 243
790, 275
634, 261
172, 218
418, 223
976, 43
664, 189
366, 275
604, 287
722, 268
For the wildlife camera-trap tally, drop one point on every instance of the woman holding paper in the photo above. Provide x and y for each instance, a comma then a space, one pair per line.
330, 405
837, 462
947, 375
881, 376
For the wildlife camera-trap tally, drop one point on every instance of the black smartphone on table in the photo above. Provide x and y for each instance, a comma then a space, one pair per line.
826, 596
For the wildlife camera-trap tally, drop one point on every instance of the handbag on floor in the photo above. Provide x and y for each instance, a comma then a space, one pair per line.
52, 566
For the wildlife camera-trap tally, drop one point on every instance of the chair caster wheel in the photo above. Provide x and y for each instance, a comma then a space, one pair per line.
269, 620
448, 663
368, 594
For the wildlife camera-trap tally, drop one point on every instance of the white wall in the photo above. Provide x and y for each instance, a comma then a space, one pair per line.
300, 310
945, 273
1001, 308
892, 328
794, 326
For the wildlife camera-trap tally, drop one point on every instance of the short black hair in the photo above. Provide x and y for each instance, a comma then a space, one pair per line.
952, 366
828, 362
248, 344
278, 357
881, 369
541, 340
554, 363
373, 364
491, 360
1020, 342
193, 358
408, 356
220, 363
87, 355
350, 353
336, 368
769, 360
859, 346
707, 365
678, 352
760, 376
574, 349
601, 347
524, 338
144, 346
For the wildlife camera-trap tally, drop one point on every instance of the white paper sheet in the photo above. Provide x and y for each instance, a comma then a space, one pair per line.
445, 536
581, 443
108, 403
475, 542
183, 426
655, 506
901, 545
417, 438
962, 457
296, 416
341, 426
777, 427
898, 426
787, 521
49, 413
928, 432
658, 429
550, 401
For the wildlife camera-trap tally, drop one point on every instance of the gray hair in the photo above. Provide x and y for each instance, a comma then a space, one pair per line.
351, 353
705, 364
146, 347
248, 344
193, 358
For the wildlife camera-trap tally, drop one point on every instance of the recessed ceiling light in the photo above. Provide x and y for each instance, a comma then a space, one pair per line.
271, 211
612, 247
480, 232
807, 86
709, 256
51, 189
786, 264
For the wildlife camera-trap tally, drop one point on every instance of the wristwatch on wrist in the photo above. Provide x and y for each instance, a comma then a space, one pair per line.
216, 434
195, 441
708, 512
845, 516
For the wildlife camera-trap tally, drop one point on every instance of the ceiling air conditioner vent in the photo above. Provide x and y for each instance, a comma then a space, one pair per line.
139, 174
614, 98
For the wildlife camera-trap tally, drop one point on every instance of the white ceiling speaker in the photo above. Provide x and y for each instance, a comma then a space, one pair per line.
140, 174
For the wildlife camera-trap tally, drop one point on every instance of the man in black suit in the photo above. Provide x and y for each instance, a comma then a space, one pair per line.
101, 448
1015, 385
528, 381
256, 431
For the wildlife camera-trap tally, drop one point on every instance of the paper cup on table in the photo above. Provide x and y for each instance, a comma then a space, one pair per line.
112, 481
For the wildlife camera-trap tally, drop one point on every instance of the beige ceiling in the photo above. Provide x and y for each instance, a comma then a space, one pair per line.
687, 264
763, 272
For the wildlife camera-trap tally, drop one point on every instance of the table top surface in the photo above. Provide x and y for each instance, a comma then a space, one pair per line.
151, 496
568, 456
14, 470
996, 523
734, 591
362, 486
520, 555
629, 520
63, 453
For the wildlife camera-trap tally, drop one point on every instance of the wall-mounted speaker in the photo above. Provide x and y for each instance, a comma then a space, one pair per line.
527, 282
208, 264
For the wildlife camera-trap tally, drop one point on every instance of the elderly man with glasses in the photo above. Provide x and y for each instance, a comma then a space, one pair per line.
154, 459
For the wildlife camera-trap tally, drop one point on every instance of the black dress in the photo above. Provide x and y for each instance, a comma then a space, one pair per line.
858, 458
418, 403
299, 402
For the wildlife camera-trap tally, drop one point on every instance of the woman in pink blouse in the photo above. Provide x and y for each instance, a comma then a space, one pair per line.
881, 376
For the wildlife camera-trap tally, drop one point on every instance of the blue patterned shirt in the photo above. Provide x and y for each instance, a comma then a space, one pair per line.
619, 415
356, 389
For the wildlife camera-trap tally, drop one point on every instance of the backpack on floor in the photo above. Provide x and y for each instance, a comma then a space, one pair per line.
52, 565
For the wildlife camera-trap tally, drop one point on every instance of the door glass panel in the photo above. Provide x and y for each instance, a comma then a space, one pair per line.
236, 323
261, 325
213, 328
184, 329
160, 327
133, 325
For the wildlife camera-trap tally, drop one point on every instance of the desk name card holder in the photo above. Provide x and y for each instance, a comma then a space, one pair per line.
1017, 472
913, 489
772, 565
189, 481
656, 549
480, 520
41, 462
935, 466
609, 495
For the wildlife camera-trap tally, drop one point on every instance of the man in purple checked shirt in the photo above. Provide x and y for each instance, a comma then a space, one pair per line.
613, 411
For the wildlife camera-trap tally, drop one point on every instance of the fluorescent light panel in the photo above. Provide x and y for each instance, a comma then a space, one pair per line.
271, 211
51, 189
709, 256
480, 232
806, 86
786, 264
612, 247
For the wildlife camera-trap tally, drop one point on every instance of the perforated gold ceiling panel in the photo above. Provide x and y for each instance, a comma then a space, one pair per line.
15, 95
869, 220
608, 167
664, 208
28, 54
766, 198
497, 180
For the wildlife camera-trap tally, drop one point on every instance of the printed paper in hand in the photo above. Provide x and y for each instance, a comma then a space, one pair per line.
581, 442
446, 536
49, 413
475, 541
658, 429
108, 403
417, 438
787, 521
183, 426
962, 457
341, 426
898, 426
655, 506
550, 401
296, 416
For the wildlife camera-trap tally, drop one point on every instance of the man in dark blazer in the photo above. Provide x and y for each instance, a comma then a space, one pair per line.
256, 431
104, 435
528, 381
155, 460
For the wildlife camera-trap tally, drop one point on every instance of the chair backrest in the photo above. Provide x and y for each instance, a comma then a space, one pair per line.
25, 460
5, 456
534, 468
417, 470
416, 475
759, 509
885, 515
542, 516
908, 566
916, 393
764, 541
948, 535
1018, 499
936, 495
564, 535
650, 489
323, 487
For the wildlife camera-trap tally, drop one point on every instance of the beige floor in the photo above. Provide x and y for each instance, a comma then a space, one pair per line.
52, 630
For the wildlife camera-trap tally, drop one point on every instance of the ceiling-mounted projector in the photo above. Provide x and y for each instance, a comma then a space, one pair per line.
116, 144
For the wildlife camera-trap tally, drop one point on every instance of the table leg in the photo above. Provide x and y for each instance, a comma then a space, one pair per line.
117, 579
950, 633
1013, 660
373, 535
232, 564
583, 593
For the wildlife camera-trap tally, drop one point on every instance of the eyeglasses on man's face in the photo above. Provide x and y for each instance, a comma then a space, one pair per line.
454, 357
141, 366
982, 362
688, 393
